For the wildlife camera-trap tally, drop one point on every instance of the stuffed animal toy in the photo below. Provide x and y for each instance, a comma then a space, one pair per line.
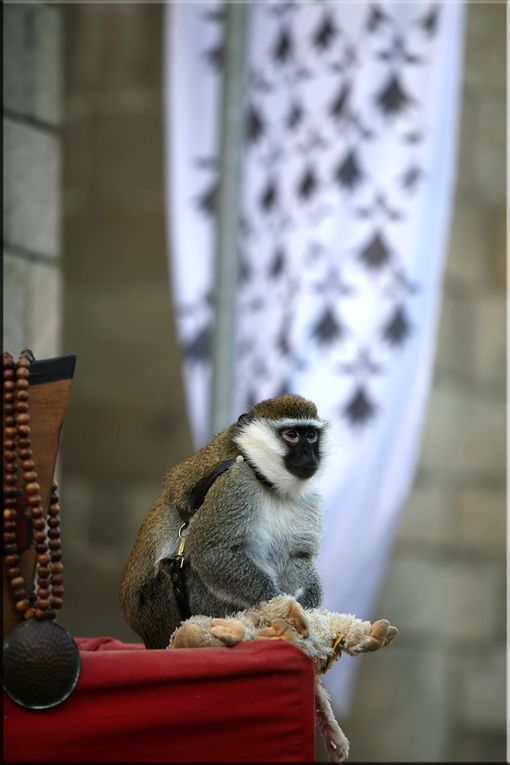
323, 635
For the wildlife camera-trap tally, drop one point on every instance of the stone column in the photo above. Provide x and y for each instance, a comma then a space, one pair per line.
32, 120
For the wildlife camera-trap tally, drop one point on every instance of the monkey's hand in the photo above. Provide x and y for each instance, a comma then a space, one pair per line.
371, 637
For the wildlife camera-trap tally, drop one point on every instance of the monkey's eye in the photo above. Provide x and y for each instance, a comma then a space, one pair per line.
291, 436
311, 436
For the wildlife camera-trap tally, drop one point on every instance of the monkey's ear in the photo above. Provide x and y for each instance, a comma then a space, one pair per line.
243, 419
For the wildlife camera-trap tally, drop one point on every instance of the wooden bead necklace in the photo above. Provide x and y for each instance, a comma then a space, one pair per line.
46, 640
18, 453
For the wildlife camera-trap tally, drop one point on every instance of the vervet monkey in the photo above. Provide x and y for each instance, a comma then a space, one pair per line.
253, 523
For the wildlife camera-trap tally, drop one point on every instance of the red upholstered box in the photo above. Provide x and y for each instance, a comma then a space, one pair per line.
254, 702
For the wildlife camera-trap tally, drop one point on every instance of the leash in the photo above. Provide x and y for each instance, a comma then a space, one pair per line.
177, 564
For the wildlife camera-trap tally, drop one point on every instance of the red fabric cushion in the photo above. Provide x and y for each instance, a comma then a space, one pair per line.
254, 702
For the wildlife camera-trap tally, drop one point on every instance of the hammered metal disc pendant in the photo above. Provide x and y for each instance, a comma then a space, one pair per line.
41, 664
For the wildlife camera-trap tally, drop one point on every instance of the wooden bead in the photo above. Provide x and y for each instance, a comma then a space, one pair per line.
22, 372
22, 605
53, 523
9, 536
19, 593
22, 419
39, 524
43, 603
57, 568
21, 395
58, 591
43, 593
56, 555
36, 512
40, 614
41, 548
57, 579
21, 406
54, 544
43, 559
18, 581
8, 372
52, 533
25, 430
11, 560
10, 480
9, 447
29, 613
10, 515
43, 573
24, 448
34, 500
30, 476
10, 432
27, 464
9, 385
54, 510
32, 488
13, 571
40, 537
10, 548
10, 467
56, 602
11, 526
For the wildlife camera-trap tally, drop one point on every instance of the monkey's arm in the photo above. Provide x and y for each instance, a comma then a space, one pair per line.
220, 543
301, 580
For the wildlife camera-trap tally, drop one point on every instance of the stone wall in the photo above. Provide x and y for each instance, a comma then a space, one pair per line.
32, 123
438, 694
126, 422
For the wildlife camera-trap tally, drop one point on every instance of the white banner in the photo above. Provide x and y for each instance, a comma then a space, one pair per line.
348, 171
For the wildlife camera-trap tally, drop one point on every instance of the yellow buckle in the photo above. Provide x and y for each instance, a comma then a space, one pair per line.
335, 655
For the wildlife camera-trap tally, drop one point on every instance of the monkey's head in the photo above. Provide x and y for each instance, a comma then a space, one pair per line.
284, 440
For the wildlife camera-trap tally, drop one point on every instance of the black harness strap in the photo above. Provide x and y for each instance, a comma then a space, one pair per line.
177, 564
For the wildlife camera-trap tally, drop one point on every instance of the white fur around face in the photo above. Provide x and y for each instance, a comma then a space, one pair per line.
262, 445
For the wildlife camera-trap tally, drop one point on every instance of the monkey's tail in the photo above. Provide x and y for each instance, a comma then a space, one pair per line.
335, 741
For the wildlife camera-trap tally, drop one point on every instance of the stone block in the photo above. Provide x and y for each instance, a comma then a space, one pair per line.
15, 289
44, 309
490, 150
110, 49
32, 189
481, 682
454, 352
47, 71
33, 62
468, 259
485, 53
464, 433
16, 58
477, 521
127, 178
474, 746
423, 517
435, 598
399, 711
489, 341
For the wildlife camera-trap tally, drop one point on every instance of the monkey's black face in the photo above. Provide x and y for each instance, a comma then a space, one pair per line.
303, 454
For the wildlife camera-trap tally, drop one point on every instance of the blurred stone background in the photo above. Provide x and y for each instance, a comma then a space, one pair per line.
85, 272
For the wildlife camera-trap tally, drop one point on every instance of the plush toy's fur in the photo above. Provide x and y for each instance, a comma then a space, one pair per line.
321, 634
